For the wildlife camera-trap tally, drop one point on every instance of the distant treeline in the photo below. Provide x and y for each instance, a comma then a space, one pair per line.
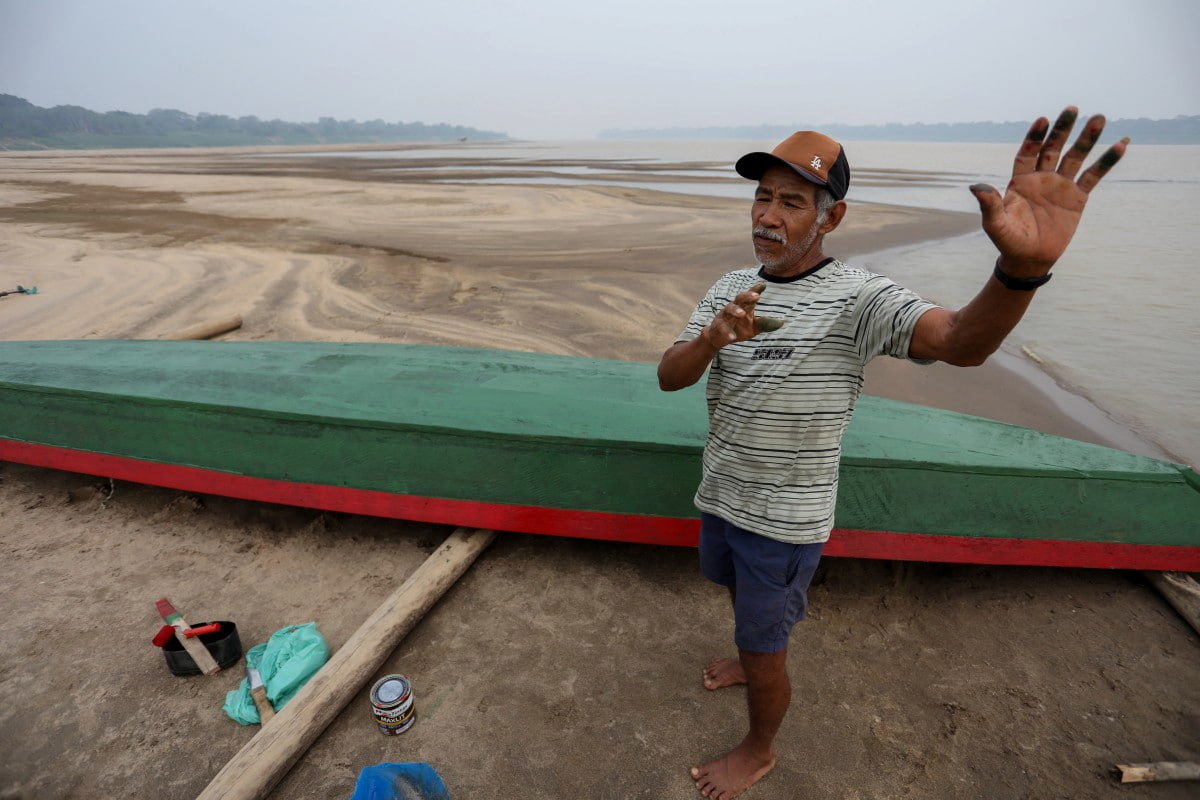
1180, 130
26, 126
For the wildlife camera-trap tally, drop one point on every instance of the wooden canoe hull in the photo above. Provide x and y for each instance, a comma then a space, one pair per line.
560, 446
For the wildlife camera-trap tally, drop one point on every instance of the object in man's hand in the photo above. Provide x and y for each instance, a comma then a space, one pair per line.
767, 324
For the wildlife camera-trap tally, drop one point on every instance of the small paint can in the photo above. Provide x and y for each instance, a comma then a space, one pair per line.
392, 704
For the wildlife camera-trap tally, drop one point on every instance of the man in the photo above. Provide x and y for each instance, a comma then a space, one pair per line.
780, 397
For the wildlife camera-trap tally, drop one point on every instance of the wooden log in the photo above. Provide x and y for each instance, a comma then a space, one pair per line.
1181, 591
1160, 771
207, 330
265, 759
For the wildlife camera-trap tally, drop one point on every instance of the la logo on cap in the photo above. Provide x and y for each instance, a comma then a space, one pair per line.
815, 163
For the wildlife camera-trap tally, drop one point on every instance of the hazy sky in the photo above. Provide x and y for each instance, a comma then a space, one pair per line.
549, 69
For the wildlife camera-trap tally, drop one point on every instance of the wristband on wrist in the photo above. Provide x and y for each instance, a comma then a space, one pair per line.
1019, 284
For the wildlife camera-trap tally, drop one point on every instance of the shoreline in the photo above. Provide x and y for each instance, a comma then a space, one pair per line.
1082, 408
1009, 388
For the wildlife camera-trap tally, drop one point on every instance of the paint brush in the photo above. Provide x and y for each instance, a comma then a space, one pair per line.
259, 692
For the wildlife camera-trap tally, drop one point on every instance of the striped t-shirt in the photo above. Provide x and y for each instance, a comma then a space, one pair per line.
779, 403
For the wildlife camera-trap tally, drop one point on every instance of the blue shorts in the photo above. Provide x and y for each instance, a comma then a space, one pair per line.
770, 578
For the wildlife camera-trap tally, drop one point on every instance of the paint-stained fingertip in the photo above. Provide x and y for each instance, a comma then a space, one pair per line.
1111, 156
982, 188
1067, 117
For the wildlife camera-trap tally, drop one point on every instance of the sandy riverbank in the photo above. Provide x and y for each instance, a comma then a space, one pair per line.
555, 668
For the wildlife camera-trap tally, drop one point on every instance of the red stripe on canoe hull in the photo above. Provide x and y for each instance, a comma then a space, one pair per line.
597, 524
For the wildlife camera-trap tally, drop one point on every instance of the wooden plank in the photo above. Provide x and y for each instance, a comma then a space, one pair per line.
1182, 592
265, 759
207, 330
1160, 771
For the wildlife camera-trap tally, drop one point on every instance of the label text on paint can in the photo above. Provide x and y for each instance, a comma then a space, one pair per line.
392, 704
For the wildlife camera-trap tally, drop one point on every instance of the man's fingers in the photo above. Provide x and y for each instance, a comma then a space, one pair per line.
1027, 156
991, 205
1088, 137
733, 322
1040, 152
748, 298
721, 333
1093, 174
1048, 158
736, 321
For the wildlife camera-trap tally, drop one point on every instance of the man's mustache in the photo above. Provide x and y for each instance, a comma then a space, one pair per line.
768, 234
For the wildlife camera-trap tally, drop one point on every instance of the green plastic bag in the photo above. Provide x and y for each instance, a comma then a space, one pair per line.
285, 663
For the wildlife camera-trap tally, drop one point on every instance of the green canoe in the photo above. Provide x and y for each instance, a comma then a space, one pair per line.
563, 446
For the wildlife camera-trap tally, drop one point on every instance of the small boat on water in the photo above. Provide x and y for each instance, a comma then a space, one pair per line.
564, 446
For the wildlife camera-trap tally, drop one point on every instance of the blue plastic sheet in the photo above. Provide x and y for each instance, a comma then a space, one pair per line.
285, 663
412, 781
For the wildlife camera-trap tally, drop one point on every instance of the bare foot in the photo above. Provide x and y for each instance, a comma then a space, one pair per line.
732, 773
724, 672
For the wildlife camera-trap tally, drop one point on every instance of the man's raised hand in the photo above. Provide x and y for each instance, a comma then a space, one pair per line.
1035, 220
